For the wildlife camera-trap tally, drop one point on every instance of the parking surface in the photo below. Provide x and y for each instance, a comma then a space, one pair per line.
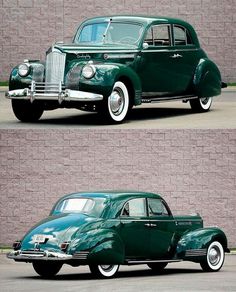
183, 276
172, 115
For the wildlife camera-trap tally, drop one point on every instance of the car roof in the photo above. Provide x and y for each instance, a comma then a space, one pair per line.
113, 195
138, 18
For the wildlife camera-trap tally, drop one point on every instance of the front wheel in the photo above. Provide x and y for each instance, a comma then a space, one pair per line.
214, 258
47, 269
201, 104
26, 111
116, 107
104, 271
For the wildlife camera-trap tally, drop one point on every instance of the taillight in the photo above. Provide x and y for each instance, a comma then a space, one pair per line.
16, 245
64, 246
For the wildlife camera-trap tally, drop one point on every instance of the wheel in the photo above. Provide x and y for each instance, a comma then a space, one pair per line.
104, 271
157, 267
214, 258
26, 111
117, 105
201, 104
47, 269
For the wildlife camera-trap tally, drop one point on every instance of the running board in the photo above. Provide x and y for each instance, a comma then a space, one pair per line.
168, 98
135, 262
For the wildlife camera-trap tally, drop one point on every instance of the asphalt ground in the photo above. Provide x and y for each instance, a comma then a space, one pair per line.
168, 115
184, 276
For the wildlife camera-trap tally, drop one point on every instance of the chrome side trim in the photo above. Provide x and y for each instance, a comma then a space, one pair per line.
167, 98
195, 252
119, 56
134, 262
81, 255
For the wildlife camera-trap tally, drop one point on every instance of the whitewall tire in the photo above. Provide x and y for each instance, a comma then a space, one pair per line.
214, 258
202, 104
104, 271
118, 103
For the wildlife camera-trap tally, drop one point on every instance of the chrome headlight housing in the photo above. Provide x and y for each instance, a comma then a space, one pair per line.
24, 69
88, 71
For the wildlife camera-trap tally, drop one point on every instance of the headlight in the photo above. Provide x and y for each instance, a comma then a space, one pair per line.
88, 71
24, 69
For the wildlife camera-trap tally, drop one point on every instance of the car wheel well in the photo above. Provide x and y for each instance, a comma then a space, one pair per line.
221, 241
130, 87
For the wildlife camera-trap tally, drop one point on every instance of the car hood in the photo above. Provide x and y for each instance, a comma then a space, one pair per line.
75, 48
56, 229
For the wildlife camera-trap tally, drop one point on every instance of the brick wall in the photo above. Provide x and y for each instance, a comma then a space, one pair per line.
29, 27
193, 169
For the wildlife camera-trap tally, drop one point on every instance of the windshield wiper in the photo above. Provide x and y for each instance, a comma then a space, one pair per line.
105, 33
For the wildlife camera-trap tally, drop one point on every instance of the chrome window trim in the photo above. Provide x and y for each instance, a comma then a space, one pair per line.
169, 32
186, 38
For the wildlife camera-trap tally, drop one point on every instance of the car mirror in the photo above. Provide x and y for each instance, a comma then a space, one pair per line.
145, 45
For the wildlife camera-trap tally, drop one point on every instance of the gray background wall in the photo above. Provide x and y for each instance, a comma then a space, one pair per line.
193, 170
29, 27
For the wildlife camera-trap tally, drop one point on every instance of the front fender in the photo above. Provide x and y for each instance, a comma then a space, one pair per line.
106, 76
207, 79
199, 240
37, 72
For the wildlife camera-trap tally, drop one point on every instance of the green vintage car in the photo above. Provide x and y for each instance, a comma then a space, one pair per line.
108, 229
115, 63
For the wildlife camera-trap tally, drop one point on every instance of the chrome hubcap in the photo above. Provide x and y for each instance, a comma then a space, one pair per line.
117, 101
214, 256
107, 268
204, 100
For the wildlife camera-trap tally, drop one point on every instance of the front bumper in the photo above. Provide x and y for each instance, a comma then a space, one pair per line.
20, 255
43, 91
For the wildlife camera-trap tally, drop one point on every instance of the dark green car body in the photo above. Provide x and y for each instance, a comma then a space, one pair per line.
155, 58
116, 228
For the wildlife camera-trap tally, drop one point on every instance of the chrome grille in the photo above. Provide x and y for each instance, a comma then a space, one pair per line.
55, 67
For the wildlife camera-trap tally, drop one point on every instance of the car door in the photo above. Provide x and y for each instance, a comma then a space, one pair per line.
166, 66
134, 231
186, 56
162, 229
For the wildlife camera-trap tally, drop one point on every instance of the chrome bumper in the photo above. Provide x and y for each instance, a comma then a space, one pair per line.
38, 255
43, 91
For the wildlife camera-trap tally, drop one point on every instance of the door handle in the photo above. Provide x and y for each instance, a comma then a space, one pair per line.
150, 225
175, 56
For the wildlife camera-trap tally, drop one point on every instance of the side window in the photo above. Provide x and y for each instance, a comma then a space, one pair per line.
157, 208
181, 36
135, 207
158, 35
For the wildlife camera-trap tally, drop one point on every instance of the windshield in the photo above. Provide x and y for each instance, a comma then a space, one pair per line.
110, 33
93, 207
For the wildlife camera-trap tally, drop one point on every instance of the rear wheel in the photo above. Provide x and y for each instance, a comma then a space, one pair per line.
26, 111
214, 258
104, 271
157, 267
201, 104
47, 269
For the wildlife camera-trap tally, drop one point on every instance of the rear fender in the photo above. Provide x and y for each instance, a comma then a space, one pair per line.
207, 79
104, 246
194, 244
